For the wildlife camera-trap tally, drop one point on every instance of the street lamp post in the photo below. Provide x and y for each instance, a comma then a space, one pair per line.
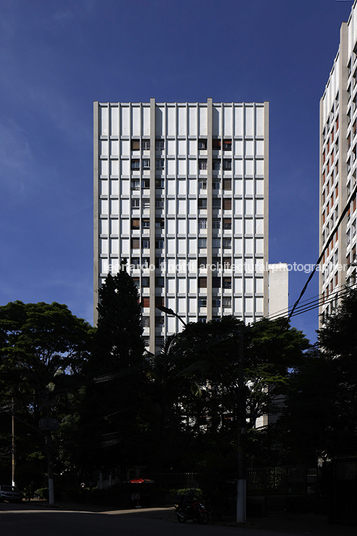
241, 439
168, 311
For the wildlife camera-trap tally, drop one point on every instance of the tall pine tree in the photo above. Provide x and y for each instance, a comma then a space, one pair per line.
111, 413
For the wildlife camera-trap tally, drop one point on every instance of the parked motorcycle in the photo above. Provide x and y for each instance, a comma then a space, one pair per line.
189, 508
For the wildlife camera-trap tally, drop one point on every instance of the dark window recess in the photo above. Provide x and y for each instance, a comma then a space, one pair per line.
227, 282
202, 282
202, 144
227, 145
227, 204
135, 145
159, 301
145, 302
216, 144
227, 164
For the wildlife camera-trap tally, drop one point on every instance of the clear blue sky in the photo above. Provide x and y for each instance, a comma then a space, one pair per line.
58, 56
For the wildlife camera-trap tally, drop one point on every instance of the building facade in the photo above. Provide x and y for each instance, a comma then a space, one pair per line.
181, 195
338, 165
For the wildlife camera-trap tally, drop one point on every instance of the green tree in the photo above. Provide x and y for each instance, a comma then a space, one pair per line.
321, 412
111, 414
43, 348
205, 364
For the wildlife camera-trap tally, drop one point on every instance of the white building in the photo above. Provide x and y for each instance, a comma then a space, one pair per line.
338, 163
181, 193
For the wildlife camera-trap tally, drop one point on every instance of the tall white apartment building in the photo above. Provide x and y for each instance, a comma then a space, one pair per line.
338, 167
181, 193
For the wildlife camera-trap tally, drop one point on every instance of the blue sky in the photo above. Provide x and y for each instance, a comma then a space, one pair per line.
58, 56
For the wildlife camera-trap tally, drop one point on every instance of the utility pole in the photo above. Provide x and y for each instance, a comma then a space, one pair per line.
13, 442
241, 514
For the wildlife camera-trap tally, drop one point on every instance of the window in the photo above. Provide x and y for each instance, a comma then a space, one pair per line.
216, 185
135, 184
135, 145
216, 302
145, 144
202, 185
159, 244
216, 282
135, 261
146, 163
216, 164
227, 145
227, 243
227, 223
145, 320
159, 301
216, 224
202, 262
159, 203
145, 183
145, 302
159, 223
159, 282
160, 163
145, 282
135, 164
136, 282
216, 242
202, 242
202, 144
216, 144
202, 223
202, 164
216, 202
227, 282
202, 282
135, 223
202, 302
145, 243
159, 145
159, 321
227, 184
146, 202
159, 183
227, 301
145, 224
227, 263
202, 202
227, 164
202, 319
227, 204
216, 262
135, 243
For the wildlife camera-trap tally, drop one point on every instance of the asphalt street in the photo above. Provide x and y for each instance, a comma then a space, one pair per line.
36, 519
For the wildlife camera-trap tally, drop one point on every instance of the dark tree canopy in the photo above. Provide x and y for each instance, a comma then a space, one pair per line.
320, 419
111, 413
43, 349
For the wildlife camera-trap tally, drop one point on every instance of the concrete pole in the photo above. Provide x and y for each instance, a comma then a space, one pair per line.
13, 442
241, 515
